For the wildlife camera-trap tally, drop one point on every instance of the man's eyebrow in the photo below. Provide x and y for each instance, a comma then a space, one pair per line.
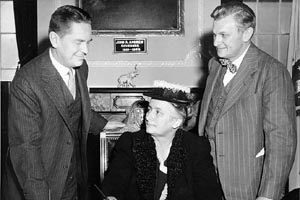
81, 40
220, 32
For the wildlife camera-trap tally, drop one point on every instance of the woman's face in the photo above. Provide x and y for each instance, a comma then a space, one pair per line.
162, 118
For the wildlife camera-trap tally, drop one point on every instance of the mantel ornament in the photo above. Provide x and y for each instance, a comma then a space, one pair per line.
125, 80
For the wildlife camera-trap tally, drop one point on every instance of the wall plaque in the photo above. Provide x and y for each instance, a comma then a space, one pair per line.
130, 45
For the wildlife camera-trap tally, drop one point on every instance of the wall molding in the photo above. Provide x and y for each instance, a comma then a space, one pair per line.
138, 63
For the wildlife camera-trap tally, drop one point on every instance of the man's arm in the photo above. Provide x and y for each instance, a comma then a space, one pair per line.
25, 141
99, 123
279, 125
263, 198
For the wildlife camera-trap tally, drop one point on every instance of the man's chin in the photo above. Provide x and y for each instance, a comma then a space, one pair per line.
221, 54
78, 63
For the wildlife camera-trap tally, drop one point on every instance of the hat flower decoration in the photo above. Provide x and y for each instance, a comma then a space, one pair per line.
171, 92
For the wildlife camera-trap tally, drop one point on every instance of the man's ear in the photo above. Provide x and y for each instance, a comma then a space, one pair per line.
248, 34
54, 38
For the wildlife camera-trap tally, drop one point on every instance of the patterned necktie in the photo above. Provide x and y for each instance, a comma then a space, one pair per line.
71, 83
226, 62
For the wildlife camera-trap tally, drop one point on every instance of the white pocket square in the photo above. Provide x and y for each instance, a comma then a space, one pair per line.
260, 153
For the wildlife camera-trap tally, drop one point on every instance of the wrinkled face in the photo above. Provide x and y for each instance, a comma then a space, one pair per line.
162, 118
71, 48
230, 42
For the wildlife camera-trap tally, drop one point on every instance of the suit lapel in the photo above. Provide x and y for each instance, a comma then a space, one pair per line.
86, 109
210, 84
51, 82
243, 78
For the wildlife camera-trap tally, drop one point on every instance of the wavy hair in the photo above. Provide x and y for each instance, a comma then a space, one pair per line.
243, 14
62, 18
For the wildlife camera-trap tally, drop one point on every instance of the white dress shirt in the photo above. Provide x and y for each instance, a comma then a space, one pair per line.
228, 75
62, 70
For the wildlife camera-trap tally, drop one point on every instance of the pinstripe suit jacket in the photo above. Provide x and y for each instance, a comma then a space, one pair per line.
258, 113
40, 138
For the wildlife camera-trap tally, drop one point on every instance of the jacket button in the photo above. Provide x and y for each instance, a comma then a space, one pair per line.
65, 166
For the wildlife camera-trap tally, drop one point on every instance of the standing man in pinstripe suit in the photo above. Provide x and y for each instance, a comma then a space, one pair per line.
247, 113
50, 116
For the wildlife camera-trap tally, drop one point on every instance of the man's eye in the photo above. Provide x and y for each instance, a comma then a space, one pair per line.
224, 35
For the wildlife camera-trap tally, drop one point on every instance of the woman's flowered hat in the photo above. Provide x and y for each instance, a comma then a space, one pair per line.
170, 92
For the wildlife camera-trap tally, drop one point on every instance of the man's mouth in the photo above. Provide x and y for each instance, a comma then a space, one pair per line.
149, 124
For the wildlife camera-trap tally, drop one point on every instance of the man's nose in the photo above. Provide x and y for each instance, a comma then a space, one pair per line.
217, 40
85, 48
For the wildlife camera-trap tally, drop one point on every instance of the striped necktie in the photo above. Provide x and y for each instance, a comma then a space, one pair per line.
71, 83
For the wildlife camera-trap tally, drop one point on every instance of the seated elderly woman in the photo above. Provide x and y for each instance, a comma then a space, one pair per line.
162, 161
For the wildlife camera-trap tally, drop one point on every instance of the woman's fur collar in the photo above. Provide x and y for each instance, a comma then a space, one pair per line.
146, 163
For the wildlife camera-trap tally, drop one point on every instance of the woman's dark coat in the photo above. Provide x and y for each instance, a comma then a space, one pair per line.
131, 174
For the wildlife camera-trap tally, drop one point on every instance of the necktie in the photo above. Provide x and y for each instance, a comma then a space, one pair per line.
71, 83
226, 62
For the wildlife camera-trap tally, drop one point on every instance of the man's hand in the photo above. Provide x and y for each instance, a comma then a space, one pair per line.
111, 198
262, 198
110, 125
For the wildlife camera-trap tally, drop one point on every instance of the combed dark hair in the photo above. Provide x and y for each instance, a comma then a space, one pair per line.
243, 14
62, 18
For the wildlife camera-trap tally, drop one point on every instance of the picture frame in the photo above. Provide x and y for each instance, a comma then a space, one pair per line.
132, 17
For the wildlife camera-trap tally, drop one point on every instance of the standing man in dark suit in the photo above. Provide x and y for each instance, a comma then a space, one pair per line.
50, 115
248, 110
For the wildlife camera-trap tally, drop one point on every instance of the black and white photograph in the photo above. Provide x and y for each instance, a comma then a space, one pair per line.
150, 99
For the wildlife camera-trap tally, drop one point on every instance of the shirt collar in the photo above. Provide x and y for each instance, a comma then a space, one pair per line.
62, 70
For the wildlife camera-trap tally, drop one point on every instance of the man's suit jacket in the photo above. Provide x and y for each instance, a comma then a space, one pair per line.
258, 113
40, 138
